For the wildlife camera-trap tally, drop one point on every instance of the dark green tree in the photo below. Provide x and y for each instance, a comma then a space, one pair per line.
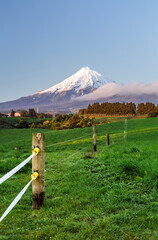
12, 113
32, 113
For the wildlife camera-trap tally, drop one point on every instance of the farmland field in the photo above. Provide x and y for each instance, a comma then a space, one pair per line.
108, 195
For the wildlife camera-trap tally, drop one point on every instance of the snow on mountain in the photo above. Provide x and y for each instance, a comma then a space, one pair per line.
83, 82
85, 78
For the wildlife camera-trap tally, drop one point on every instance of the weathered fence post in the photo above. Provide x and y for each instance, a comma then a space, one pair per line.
38, 164
107, 140
94, 138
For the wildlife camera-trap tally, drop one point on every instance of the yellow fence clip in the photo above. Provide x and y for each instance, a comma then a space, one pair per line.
34, 175
36, 150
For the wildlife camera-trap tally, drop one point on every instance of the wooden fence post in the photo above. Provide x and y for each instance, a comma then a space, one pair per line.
38, 164
94, 138
107, 140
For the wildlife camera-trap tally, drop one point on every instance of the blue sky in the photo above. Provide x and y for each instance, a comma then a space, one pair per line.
42, 42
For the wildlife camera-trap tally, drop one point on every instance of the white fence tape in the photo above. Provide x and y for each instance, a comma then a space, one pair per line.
17, 168
15, 201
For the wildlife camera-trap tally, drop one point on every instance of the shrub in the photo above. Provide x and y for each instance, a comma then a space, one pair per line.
21, 123
152, 114
68, 122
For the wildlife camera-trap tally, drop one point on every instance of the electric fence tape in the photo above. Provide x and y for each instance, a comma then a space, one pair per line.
16, 200
17, 168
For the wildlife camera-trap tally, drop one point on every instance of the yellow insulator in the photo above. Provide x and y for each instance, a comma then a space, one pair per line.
34, 175
36, 150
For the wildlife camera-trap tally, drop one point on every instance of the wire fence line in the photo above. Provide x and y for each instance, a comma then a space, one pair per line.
18, 167
22, 164
70, 140
69, 156
45, 132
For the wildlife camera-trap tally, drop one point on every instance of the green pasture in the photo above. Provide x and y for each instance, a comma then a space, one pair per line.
108, 195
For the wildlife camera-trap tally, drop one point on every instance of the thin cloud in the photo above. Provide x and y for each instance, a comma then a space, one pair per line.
111, 89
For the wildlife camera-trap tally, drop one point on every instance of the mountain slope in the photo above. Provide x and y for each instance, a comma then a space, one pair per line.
82, 82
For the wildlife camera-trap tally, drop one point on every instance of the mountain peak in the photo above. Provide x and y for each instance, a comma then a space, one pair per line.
85, 68
84, 79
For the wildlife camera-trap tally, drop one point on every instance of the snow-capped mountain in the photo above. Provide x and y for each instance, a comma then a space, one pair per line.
83, 81
84, 87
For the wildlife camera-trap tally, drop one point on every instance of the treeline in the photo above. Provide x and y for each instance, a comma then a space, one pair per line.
120, 109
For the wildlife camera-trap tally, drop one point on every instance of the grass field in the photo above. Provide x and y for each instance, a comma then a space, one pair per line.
109, 195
